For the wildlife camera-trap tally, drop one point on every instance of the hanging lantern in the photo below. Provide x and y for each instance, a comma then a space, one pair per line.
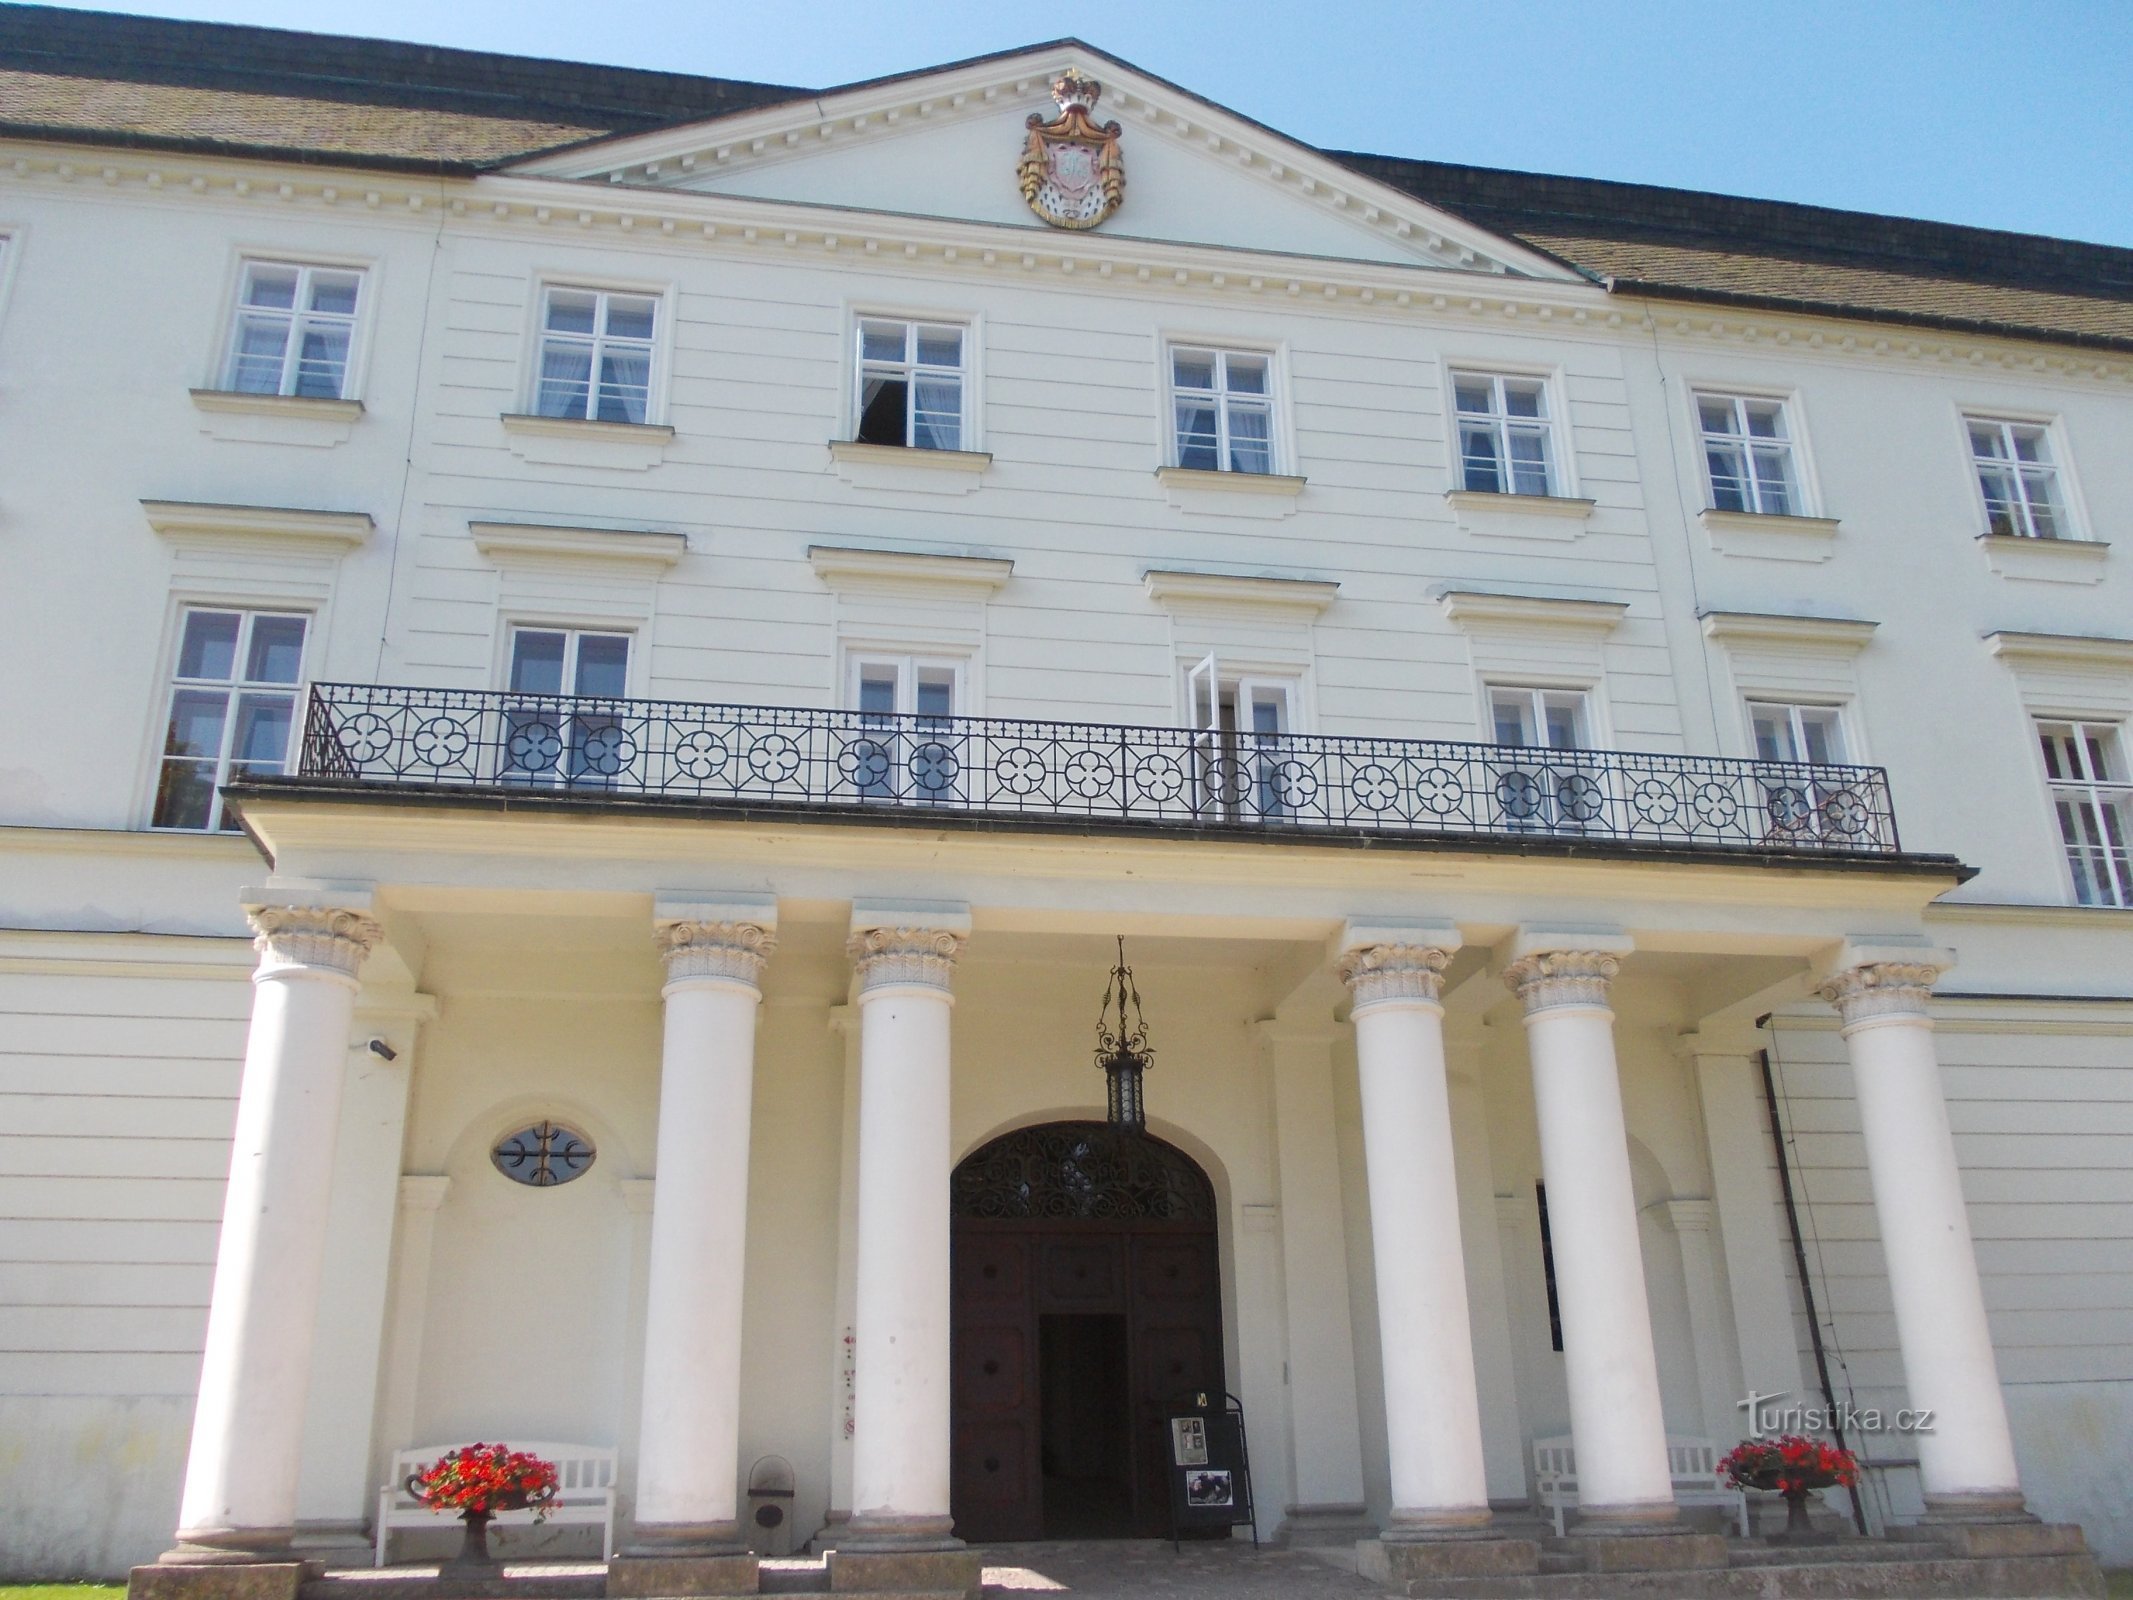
1122, 1047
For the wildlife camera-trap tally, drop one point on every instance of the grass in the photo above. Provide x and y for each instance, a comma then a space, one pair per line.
2118, 1584
73, 1591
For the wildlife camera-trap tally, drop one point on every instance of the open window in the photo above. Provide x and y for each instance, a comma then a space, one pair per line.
1242, 771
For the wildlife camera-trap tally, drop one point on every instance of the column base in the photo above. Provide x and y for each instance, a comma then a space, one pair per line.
959, 1571
638, 1577
212, 1547
1471, 1554
223, 1579
1407, 1525
1325, 1525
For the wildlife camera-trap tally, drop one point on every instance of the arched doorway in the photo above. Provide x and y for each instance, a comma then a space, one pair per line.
1087, 1298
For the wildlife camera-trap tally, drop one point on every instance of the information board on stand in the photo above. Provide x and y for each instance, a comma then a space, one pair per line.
1210, 1466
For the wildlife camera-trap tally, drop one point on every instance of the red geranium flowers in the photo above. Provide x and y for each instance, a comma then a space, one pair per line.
1791, 1465
485, 1479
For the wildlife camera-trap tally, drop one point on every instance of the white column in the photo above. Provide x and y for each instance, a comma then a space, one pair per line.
1432, 1404
1616, 1421
688, 1438
1325, 1433
900, 1443
239, 1502
1966, 1463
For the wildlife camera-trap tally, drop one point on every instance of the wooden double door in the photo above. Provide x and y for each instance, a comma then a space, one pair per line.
1072, 1340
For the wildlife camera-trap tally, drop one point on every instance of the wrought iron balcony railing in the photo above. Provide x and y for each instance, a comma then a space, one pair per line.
851, 762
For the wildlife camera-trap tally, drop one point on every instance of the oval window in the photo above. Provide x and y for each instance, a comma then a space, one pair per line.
543, 1155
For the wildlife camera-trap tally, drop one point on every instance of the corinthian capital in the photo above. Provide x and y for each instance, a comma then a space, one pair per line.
312, 936
734, 951
1562, 978
1378, 973
1881, 989
891, 956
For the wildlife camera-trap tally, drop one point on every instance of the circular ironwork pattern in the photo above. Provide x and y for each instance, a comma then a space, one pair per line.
699, 754
1080, 1172
543, 1155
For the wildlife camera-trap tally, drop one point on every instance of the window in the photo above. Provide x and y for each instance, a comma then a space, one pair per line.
905, 746
2085, 765
543, 1155
910, 384
1225, 410
1242, 767
1747, 449
1503, 434
1803, 735
1811, 734
596, 355
1562, 792
579, 741
232, 710
2016, 475
293, 329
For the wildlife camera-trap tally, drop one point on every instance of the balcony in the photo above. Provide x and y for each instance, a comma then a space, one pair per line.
562, 750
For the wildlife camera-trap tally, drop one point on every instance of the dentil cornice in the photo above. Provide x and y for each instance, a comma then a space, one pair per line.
679, 221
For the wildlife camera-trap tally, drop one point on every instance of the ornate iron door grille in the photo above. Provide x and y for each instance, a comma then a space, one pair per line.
850, 762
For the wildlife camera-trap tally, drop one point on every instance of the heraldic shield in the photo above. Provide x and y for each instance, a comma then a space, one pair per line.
1072, 174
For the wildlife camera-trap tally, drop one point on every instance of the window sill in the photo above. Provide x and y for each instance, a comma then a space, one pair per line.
1748, 533
1235, 494
207, 525
890, 466
1519, 516
2045, 560
275, 418
577, 442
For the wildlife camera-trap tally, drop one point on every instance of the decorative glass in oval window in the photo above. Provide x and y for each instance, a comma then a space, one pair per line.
543, 1155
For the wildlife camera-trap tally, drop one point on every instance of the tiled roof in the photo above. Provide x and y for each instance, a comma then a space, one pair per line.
1678, 244
103, 78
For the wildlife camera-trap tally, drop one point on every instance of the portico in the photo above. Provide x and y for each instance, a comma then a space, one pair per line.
781, 1036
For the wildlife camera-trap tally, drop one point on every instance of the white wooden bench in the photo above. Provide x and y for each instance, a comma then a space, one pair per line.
1691, 1464
585, 1493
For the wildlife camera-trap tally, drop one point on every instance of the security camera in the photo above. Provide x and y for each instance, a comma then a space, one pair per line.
383, 1051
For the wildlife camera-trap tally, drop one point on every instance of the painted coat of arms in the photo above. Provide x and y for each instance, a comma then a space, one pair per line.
1072, 174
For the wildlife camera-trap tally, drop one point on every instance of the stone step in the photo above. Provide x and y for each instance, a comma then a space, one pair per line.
1873, 1578
510, 1581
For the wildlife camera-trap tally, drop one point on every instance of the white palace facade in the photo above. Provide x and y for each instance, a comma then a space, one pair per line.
599, 661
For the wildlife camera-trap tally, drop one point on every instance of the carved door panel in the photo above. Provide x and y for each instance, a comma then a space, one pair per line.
994, 1487
1176, 1321
1080, 1270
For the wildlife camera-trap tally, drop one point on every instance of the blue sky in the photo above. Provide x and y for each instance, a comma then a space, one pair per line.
2011, 114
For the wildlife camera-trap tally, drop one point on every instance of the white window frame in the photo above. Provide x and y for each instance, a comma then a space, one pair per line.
1280, 454
2100, 797
659, 346
356, 321
1572, 801
2056, 460
1794, 706
1550, 429
235, 686
1217, 748
891, 770
556, 776
911, 321
11, 236
1800, 474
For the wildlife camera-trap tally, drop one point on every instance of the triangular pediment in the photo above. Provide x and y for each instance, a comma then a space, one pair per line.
946, 144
